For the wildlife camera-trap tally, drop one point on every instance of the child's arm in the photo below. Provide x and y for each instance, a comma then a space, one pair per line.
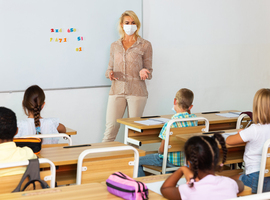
241, 185
61, 128
234, 139
161, 147
169, 189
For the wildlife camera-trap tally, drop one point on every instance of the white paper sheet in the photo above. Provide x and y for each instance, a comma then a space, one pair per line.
229, 115
153, 121
225, 135
155, 187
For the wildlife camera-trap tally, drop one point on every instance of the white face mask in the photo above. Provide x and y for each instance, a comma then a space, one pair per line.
130, 29
174, 111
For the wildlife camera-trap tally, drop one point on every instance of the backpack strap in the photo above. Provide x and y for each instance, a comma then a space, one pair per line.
33, 172
43, 184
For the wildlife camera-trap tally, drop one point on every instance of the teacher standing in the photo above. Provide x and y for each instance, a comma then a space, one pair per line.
129, 66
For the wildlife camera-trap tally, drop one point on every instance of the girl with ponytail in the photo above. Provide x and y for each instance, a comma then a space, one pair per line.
33, 102
202, 157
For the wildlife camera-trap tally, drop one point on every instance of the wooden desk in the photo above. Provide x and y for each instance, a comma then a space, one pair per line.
66, 160
93, 191
235, 153
70, 131
139, 134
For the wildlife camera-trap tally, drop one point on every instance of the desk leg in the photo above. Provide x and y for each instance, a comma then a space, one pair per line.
126, 134
127, 139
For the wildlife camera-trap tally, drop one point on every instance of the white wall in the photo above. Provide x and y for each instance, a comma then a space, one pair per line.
219, 49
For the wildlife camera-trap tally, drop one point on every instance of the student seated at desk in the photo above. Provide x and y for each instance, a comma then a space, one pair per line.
33, 103
182, 105
202, 155
255, 137
9, 152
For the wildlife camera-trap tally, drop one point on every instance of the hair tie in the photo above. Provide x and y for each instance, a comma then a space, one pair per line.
38, 130
221, 165
191, 182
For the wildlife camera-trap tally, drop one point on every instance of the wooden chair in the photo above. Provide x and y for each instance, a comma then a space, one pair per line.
100, 170
10, 182
58, 135
265, 166
172, 144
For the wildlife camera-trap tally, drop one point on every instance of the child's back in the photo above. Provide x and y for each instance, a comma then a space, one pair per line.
47, 126
255, 135
212, 187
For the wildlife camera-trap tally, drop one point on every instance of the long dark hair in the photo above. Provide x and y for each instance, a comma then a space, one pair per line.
203, 153
33, 100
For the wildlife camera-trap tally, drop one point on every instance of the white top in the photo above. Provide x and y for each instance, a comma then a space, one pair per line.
255, 136
210, 188
47, 126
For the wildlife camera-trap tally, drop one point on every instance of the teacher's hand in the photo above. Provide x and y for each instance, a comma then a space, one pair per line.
144, 74
111, 76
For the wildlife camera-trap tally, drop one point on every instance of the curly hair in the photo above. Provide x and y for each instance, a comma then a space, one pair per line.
8, 124
198, 149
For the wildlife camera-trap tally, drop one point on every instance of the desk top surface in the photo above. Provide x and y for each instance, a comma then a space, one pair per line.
93, 191
67, 156
185, 137
212, 117
70, 131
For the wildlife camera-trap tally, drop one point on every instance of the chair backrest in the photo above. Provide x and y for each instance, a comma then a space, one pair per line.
106, 167
265, 165
172, 144
10, 182
240, 119
57, 135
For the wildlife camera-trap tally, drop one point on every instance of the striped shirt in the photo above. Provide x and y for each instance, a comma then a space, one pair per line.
177, 158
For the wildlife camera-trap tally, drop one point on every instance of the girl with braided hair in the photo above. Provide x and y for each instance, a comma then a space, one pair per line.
33, 102
202, 156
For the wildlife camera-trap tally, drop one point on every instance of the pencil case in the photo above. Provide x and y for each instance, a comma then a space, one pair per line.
125, 187
33, 143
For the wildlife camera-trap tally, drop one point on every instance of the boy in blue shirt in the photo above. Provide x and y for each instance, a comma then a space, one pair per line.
182, 105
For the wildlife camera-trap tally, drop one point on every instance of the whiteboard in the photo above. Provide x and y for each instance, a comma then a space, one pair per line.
30, 53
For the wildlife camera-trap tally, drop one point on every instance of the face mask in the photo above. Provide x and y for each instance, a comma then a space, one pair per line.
174, 111
130, 29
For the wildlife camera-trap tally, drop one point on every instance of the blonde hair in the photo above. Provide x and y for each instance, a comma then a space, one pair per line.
131, 14
261, 106
184, 98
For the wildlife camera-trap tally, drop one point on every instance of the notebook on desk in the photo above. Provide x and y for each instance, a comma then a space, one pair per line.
229, 114
153, 121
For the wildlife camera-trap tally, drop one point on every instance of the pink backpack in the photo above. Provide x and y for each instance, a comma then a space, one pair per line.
125, 187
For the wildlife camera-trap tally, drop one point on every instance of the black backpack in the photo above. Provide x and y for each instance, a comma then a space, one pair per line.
33, 172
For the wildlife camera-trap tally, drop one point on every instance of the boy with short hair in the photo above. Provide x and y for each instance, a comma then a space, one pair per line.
182, 106
9, 152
